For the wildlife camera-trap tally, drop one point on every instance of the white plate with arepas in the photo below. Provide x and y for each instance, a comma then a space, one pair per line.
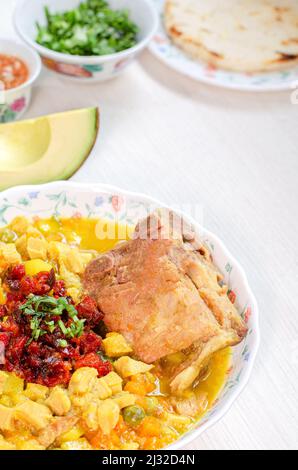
237, 44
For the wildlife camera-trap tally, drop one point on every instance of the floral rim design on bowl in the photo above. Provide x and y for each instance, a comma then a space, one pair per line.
163, 48
73, 70
85, 70
10, 111
108, 202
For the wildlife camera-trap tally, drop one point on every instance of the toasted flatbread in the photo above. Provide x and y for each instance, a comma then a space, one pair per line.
238, 35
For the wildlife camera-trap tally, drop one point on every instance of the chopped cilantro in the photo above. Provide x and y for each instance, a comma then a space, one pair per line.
62, 343
90, 29
42, 309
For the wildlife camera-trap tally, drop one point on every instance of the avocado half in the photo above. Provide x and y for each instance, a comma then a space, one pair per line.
48, 148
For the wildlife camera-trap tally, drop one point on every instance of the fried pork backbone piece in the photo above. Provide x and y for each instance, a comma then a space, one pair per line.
162, 291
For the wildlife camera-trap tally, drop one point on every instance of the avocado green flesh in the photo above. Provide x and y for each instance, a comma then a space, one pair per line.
24, 145
45, 149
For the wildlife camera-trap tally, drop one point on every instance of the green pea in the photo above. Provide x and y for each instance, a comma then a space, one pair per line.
7, 236
133, 415
151, 405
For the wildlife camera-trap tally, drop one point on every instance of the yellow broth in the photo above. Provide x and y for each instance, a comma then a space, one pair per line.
84, 232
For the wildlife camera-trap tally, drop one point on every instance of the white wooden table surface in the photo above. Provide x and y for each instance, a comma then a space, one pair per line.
236, 156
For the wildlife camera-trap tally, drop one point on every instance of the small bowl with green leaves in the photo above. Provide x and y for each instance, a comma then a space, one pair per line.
86, 40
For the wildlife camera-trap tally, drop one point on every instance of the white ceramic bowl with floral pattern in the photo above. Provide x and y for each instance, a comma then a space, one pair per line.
85, 69
69, 199
15, 101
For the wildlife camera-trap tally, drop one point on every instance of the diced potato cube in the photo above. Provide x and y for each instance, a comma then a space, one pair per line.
72, 435
52, 250
101, 389
35, 266
90, 415
72, 259
126, 366
36, 392
59, 401
6, 418
55, 249
21, 246
108, 415
37, 248
3, 379
5, 445
17, 398
6, 400
33, 414
70, 279
81, 401
13, 385
75, 294
19, 225
114, 381
73, 262
9, 253
116, 345
82, 380
7, 235
124, 399
79, 444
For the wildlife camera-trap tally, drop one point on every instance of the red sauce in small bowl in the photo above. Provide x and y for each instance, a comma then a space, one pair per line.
13, 72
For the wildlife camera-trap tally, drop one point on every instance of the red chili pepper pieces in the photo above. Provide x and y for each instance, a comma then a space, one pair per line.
93, 360
47, 361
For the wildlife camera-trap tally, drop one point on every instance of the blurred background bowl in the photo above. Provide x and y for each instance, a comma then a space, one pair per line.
85, 68
15, 101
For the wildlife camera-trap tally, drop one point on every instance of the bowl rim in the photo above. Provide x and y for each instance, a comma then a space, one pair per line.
95, 187
87, 60
37, 67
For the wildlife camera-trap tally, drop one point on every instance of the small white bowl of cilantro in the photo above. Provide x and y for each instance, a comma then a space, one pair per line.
86, 40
